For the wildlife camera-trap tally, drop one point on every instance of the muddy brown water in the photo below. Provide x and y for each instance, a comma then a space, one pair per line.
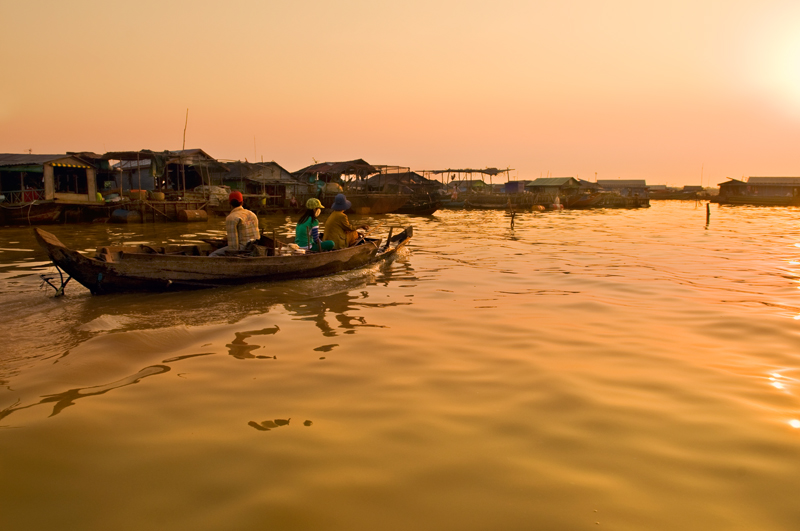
599, 369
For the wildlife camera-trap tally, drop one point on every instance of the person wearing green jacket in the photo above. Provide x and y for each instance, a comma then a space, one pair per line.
306, 234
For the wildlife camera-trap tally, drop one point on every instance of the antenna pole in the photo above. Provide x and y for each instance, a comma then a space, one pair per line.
185, 125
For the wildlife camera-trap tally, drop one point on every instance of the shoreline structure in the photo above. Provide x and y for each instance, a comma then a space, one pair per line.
190, 185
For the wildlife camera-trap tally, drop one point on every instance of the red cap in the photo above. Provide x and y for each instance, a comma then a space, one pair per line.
237, 196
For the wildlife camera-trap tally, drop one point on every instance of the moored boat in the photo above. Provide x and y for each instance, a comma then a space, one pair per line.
31, 213
369, 203
135, 268
420, 207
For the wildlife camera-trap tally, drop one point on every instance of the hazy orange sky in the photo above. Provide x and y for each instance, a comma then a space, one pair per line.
628, 89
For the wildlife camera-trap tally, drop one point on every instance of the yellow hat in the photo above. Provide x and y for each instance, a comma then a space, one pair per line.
313, 203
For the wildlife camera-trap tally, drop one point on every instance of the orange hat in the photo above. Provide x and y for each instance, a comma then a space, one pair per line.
237, 196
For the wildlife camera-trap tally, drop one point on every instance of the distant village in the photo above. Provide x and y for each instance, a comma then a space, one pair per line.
190, 185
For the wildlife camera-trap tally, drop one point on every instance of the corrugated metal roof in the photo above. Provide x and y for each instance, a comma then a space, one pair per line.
358, 167
621, 183
470, 182
406, 178
774, 180
485, 171
552, 181
19, 159
262, 172
132, 164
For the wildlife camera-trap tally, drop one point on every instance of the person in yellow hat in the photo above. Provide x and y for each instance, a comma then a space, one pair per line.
306, 234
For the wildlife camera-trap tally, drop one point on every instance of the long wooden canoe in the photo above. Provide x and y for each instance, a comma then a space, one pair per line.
135, 268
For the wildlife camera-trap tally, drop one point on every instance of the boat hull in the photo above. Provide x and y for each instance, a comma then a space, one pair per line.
117, 272
36, 213
419, 208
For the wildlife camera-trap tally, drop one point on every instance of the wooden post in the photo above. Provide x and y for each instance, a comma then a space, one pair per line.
389, 238
708, 213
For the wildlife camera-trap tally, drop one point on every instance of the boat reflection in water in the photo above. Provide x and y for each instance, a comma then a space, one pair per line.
328, 302
67, 398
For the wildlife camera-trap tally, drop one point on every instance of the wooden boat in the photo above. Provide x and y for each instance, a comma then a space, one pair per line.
132, 268
34, 213
420, 207
454, 205
606, 200
588, 200
368, 203
487, 205
501, 201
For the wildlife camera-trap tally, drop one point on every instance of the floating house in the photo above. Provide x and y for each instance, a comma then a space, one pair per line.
266, 186
161, 185
688, 192
625, 187
760, 191
405, 182
465, 177
172, 173
327, 172
469, 185
331, 178
41, 188
516, 187
551, 187
620, 193
423, 194
588, 186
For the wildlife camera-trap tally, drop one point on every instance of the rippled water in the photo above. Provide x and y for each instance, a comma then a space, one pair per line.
628, 369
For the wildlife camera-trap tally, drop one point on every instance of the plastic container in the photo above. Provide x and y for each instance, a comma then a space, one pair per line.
137, 195
192, 215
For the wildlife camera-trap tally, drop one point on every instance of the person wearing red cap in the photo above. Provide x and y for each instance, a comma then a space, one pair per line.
241, 226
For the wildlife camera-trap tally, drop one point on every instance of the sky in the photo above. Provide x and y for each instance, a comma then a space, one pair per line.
674, 92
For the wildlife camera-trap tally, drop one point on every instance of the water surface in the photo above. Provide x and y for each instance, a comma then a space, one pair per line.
632, 369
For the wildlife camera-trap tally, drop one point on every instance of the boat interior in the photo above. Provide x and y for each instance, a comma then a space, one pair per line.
265, 246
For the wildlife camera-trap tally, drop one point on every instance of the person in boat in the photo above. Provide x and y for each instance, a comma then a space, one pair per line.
241, 226
338, 228
306, 234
